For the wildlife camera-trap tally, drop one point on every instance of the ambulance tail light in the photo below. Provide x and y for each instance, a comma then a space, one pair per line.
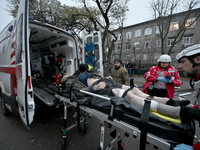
13, 84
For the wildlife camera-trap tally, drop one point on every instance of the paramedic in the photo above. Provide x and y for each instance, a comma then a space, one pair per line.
119, 73
161, 79
109, 87
189, 60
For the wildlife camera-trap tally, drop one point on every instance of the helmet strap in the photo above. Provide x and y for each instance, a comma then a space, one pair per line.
193, 62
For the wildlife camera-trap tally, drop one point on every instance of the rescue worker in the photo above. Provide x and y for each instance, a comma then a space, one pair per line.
161, 79
189, 60
119, 73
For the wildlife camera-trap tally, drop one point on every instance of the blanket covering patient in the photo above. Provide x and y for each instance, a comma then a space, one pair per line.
107, 86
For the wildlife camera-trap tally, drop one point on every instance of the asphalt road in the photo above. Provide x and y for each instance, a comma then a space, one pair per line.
45, 133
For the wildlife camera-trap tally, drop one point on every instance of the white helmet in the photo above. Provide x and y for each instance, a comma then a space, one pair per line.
164, 58
190, 51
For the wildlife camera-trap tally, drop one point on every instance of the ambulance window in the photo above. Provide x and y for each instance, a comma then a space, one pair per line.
96, 51
96, 39
89, 40
18, 45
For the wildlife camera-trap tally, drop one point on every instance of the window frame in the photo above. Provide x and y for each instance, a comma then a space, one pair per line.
119, 37
138, 33
172, 24
127, 45
145, 43
188, 43
193, 25
158, 43
128, 35
119, 45
137, 45
170, 42
148, 31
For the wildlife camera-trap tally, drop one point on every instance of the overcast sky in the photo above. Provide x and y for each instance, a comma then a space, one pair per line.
138, 12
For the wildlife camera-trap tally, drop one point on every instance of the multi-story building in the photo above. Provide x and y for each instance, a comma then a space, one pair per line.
142, 42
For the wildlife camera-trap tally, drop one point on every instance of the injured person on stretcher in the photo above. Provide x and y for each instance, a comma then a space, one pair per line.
107, 86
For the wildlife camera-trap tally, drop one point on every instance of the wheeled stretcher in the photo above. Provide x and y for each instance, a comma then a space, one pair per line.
131, 118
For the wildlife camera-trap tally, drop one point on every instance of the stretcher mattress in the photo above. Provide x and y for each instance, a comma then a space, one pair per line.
130, 113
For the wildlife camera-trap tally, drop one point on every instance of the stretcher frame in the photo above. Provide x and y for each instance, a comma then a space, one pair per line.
104, 118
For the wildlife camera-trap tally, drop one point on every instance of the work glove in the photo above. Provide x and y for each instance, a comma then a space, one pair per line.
183, 147
161, 79
169, 81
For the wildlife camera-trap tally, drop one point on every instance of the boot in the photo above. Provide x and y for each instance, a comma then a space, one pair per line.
172, 102
190, 113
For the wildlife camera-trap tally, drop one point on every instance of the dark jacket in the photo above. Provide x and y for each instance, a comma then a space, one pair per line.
129, 66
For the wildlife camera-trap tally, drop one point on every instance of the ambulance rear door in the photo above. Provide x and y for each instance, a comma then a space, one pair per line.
23, 72
92, 53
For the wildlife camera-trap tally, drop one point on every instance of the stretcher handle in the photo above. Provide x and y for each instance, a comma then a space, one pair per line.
92, 94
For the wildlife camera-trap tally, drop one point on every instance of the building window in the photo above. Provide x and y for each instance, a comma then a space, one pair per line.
127, 56
119, 47
174, 26
128, 35
188, 40
147, 44
119, 36
127, 46
157, 29
190, 22
148, 31
137, 45
170, 41
158, 43
138, 33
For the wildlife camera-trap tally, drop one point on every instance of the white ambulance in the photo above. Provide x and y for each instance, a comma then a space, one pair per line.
33, 57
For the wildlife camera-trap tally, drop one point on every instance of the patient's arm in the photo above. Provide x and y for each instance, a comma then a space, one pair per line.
109, 77
65, 76
99, 86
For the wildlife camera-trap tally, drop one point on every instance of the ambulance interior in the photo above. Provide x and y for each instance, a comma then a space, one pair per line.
52, 55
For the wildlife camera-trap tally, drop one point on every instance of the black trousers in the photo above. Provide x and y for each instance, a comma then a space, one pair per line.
157, 92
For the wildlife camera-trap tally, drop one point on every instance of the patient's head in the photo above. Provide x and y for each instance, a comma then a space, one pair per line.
83, 67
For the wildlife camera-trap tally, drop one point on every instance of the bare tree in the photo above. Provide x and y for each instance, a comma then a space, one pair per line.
119, 12
163, 11
107, 9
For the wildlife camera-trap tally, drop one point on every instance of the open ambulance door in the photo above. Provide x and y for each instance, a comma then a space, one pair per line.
92, 53
23, 72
